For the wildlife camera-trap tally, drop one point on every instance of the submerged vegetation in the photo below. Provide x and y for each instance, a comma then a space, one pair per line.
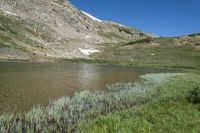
65, 114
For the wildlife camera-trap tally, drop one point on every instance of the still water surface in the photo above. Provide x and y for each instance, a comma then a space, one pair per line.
25, 84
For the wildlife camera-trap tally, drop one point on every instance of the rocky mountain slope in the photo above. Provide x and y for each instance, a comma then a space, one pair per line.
55, 29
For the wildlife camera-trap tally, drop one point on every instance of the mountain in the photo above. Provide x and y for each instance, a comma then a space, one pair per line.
55, 29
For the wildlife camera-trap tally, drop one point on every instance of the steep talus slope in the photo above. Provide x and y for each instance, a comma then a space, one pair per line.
46, 29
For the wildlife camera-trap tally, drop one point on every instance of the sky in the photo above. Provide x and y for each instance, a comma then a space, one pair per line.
161, 17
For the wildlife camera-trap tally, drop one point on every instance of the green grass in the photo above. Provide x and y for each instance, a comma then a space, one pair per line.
2, 45
16, 34
195, 34
169, 112
165, 53
11, 31
6, 23
65, 114
155, 56
157, 103
148, 40
154, 52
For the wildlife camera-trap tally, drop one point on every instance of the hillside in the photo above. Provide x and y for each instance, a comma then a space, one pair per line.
47, 29
179, 52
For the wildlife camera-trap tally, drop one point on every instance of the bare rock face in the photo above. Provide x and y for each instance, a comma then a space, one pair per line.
56, 29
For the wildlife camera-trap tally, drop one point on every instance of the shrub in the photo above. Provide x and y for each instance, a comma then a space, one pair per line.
193, 96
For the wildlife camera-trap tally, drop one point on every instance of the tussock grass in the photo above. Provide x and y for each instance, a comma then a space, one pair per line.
65, 114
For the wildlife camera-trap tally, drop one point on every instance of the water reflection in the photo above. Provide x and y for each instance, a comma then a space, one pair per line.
23, 85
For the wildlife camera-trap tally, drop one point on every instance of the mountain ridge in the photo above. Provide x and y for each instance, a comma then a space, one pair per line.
56, 29
45, 30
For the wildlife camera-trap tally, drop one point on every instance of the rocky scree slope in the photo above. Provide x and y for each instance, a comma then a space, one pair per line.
54, 29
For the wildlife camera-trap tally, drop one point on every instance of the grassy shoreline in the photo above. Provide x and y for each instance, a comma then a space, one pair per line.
106, 62
65, 114
169, 112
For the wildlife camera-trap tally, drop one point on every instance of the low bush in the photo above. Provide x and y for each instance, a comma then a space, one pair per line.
193, 96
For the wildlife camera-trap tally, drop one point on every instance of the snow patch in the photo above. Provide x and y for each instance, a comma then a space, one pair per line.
87, 37
92, 17
8, 12
118, 24
88, 51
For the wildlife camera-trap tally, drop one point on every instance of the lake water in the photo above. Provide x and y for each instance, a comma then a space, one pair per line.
25, 84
